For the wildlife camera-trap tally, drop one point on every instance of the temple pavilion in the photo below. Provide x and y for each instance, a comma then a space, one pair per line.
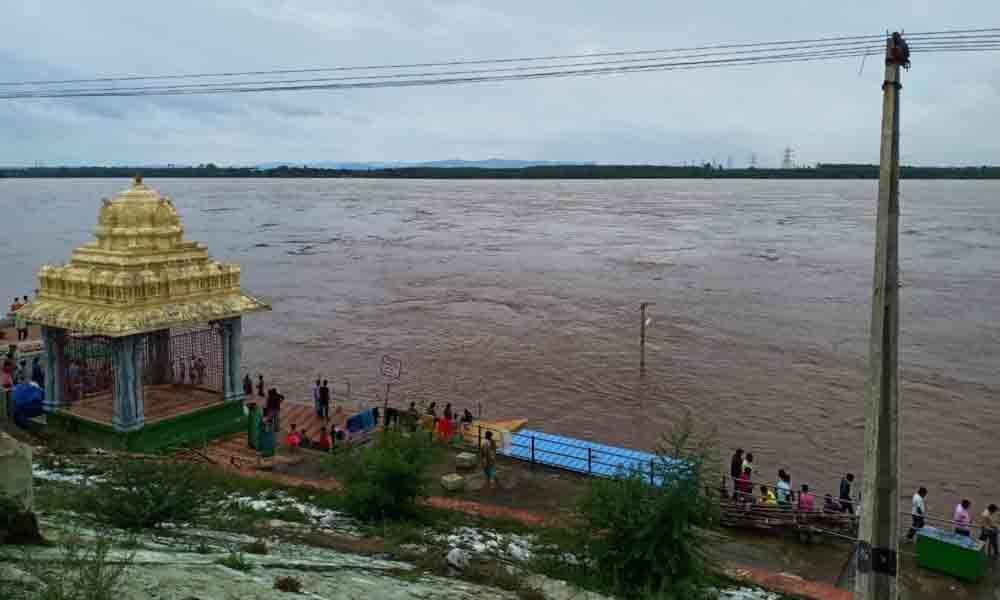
142, 329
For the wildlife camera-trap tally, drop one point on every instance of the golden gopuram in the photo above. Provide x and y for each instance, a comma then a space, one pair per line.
141, 325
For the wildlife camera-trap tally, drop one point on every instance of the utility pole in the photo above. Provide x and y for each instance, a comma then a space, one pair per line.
642, 336
878, 533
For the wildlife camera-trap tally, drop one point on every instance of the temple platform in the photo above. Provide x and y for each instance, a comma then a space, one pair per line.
175, 416
160, 401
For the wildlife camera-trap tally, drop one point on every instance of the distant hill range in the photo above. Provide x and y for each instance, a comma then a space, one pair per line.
458, 169
455, 163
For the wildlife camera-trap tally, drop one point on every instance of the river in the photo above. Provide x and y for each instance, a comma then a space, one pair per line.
523, 297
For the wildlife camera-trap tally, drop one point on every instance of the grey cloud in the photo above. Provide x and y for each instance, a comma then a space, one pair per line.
826, 111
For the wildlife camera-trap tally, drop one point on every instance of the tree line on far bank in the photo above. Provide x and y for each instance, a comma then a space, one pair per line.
705, 171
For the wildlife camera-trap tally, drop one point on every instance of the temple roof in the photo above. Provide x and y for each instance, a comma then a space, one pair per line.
139, 275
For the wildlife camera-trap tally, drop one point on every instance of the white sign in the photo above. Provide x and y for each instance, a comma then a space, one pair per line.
390, 367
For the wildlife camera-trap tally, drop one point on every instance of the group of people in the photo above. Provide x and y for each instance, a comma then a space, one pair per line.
782, 493
742, 469
272, 399
19, 323
300, 438
988, 520
444, 427
447, 425
15, 372
191, 371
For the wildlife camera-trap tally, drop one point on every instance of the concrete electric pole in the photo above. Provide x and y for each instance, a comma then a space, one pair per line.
878, 533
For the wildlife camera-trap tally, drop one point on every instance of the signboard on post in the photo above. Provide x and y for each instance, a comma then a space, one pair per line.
390, 367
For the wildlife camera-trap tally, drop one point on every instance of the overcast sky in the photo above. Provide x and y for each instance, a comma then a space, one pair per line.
827, 112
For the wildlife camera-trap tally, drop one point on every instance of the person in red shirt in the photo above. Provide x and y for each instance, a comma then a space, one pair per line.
444, 429
293, 439
325, 441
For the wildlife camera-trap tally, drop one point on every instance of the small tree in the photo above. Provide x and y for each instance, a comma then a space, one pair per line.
385, 480
145, 493
650, 538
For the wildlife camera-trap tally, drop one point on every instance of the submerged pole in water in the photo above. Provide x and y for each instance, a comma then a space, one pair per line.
642, 335
878, 533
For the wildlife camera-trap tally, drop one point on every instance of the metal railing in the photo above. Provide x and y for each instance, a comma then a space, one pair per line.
578, 457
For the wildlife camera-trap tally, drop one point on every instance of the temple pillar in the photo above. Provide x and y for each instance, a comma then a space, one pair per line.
158, 368
54, 340
232, 354
128, 402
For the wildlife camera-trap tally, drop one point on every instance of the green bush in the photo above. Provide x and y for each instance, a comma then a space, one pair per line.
138, 494
84, 571
255, 547
638, 539
237, 561
288, 584
384, 481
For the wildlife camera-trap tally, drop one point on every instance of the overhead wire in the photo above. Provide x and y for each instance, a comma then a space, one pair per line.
551, 66
550, 57
967, 33
541, 69
419, 82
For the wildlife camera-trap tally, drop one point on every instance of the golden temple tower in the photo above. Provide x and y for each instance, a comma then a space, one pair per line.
120, 320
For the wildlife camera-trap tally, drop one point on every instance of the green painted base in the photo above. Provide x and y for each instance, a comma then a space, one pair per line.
939, 555
193, 428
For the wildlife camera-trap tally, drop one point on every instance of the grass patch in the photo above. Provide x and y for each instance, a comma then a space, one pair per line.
237, 561
84, 571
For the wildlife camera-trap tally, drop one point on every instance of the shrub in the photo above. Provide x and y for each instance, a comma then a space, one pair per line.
385, 480
142, 493
84, 571
255, 547
636, 538
237, 561
17, 526
288, 584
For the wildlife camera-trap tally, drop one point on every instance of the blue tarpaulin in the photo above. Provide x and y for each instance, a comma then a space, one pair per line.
588, 457
28, 399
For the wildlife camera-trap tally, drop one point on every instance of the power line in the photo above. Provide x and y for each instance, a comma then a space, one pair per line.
538, 68
968, 33
683, 59
451, 62
384, 83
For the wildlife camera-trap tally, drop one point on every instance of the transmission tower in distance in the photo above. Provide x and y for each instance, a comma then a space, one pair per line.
788, 162
753, 160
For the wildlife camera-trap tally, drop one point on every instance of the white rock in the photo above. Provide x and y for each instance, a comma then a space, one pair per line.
466, 460
452, 482
458, 558
15, 471
517, 552
746, 593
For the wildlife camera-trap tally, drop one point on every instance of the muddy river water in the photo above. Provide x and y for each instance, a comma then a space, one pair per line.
523, 297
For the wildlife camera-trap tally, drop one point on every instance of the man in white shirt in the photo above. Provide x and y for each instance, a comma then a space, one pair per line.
917, 512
